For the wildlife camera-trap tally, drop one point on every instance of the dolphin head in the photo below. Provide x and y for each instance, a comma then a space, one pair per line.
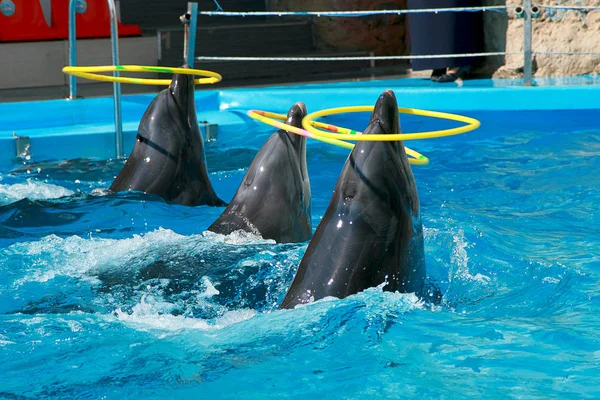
182, 91
372, 160
294, 118
384, 119
295, 114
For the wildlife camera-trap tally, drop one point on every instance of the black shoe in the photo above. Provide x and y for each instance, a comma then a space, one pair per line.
451, 77
436, 73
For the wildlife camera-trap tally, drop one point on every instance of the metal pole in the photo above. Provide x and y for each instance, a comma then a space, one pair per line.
72, 48
114, 40
527, 54
159, 44
191, 23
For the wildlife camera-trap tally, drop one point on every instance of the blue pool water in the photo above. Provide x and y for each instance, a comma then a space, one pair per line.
125, 296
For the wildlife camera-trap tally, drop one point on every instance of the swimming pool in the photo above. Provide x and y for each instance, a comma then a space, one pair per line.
124, 296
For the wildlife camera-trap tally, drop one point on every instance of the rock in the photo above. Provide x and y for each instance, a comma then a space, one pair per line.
554, 31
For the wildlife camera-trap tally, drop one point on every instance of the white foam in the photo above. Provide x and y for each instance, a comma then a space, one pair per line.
391, 301
460, 258
84, 258
152, 315
99, 192
237, 238
374, 298
550, 279
80, 255
32, 189
74, 325
211, 290
4, 341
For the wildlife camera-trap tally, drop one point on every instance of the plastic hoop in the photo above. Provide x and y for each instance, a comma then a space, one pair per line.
91, 73
347, 134
270, 118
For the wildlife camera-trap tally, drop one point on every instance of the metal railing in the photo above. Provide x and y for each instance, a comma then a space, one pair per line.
190, 21
114, 39
528, 11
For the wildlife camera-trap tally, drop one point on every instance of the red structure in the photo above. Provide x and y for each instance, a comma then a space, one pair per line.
24, 20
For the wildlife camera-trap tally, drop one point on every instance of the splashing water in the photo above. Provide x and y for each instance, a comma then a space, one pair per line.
31, 189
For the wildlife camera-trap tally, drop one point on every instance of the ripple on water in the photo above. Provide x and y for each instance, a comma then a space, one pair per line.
132, 296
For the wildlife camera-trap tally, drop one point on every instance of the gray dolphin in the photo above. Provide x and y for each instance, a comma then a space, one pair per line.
371, 232
274, 198
168, 156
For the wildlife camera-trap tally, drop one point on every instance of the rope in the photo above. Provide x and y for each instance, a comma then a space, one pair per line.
349, 13
354, 58
588, 8
568, 53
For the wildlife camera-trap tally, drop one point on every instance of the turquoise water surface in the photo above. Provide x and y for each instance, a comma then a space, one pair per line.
126, 296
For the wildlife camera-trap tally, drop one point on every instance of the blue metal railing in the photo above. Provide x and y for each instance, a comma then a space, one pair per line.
190, 21
114, 39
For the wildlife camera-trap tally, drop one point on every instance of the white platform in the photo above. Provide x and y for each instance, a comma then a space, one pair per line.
39, 64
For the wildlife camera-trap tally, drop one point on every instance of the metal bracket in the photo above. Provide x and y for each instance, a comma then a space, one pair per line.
7, 8
81, 7
211, 131
23, 146
46, 6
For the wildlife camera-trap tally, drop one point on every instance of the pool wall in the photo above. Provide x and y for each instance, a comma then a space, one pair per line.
63, 129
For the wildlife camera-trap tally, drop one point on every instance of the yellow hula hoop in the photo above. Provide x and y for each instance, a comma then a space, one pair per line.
270, 118
346, 134
92, 74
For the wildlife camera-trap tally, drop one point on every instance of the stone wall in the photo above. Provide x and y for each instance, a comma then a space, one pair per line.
558, 31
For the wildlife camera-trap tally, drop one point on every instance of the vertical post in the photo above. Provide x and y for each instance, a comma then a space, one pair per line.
114, 40
191, 23
72, 48
527, 53
159, 45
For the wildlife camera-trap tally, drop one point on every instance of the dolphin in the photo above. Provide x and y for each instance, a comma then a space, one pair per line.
371, 232
168, 156
274, 198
